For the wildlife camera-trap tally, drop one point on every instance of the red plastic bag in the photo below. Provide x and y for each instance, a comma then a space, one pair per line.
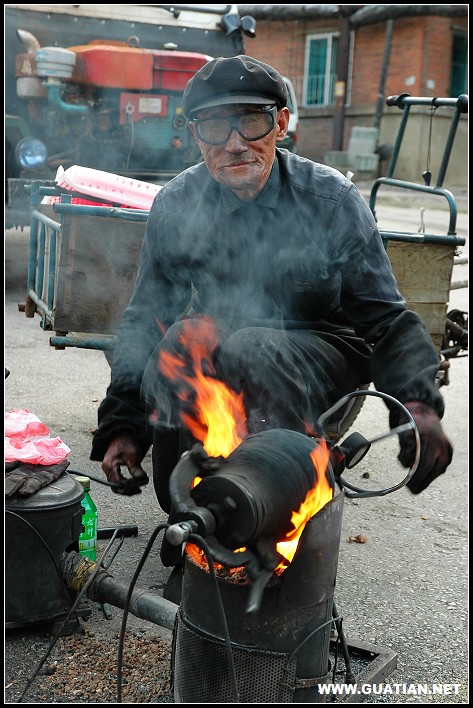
23, 424
27, 440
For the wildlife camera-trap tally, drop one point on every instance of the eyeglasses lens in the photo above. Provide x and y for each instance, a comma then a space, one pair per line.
251, 126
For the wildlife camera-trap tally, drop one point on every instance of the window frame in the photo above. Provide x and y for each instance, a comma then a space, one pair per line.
458, 69
330, 75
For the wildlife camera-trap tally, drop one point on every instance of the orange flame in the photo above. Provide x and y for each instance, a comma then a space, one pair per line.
317, 497
218, 420
218, 417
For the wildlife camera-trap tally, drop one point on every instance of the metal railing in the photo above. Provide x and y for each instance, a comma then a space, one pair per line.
404, 101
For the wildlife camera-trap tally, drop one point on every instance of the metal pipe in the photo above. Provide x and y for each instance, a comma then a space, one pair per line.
76, 570
61, 342
404, 99
343, 60
54, 90
349, 675
39, 302
153, 608
399, 138
449, 145
52, 269
80, 210
446, 240
384, 71
43, 219
417, 188
32, 253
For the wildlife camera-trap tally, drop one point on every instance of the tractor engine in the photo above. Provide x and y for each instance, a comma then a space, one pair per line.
109, 106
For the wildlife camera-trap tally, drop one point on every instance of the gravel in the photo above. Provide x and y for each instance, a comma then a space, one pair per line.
82, 668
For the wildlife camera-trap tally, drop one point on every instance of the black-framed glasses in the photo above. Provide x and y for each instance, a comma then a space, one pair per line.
251, 126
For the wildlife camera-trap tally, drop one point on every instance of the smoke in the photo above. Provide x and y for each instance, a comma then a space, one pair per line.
272, 274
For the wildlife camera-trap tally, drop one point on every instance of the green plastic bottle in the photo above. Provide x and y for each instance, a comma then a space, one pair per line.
88, 537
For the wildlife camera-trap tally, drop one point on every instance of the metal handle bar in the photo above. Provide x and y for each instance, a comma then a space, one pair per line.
405, 99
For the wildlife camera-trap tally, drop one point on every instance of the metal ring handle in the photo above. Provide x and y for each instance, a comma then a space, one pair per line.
362, 493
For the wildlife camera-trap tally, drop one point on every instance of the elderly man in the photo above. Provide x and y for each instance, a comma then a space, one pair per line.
284, 257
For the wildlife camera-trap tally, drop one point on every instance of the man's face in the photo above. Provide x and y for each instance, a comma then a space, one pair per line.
243, 165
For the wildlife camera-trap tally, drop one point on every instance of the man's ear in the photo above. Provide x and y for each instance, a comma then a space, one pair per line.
283, 123
192, 129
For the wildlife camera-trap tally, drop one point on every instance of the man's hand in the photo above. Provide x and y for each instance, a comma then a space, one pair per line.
435, 449
123, 451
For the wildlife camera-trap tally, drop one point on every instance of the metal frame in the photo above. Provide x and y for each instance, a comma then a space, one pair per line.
404, 101
381, 662
46, 233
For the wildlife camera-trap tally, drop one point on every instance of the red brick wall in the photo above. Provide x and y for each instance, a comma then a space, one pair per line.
421, 50
282, 44
421, 47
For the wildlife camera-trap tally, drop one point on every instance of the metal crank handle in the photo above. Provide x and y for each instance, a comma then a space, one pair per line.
355, 447
395, 431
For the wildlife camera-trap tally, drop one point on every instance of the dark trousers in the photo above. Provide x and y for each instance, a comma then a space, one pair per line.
288, 379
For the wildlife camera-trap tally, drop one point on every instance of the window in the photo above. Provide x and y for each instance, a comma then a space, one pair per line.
321, 62
459, 72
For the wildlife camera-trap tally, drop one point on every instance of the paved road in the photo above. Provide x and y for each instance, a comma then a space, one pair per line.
405, 589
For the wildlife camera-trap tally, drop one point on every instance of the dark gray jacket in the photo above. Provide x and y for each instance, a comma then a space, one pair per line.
306, 254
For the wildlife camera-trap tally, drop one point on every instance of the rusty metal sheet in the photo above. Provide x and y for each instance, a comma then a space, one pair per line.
98, 261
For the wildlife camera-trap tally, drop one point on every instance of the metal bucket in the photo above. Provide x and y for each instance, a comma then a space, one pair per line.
38, 529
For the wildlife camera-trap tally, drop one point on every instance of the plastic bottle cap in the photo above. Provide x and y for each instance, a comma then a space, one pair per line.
84, 481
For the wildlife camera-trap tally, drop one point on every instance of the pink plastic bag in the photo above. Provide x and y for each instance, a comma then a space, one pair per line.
27, 440
106, 185
23, 424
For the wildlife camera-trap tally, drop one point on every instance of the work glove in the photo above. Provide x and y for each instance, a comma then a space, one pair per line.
435, 449
124, 451
26, 479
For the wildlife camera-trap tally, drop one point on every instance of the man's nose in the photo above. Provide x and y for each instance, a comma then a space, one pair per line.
235, 142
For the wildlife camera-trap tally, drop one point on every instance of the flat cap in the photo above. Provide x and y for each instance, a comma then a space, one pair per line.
239, 79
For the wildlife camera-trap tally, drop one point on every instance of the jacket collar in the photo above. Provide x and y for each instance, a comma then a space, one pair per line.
268, 197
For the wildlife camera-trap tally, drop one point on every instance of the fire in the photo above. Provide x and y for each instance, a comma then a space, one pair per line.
217, 417
316, 498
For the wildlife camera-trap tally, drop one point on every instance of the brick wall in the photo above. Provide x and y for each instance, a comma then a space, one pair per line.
419, 64
421, 49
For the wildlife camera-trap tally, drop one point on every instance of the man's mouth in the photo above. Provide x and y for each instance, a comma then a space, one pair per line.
241, 163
